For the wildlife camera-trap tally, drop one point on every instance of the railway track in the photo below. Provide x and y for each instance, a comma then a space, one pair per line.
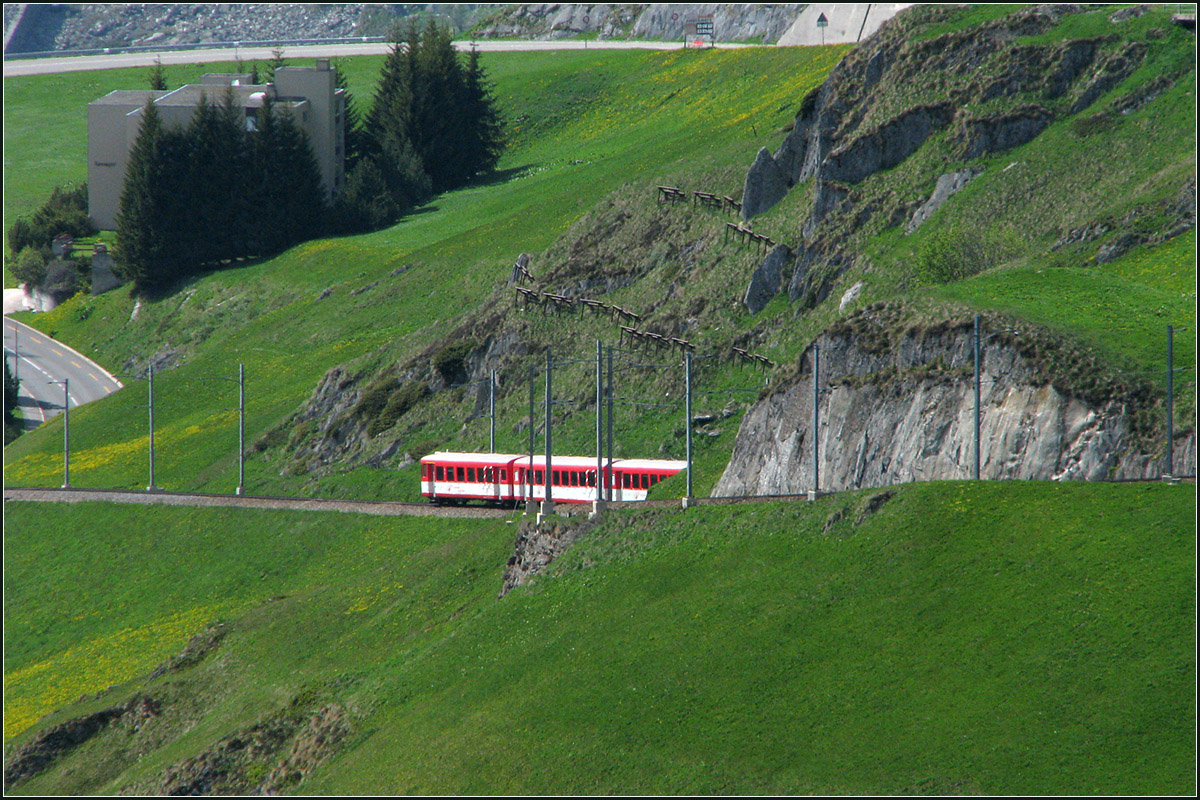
247, 501
382, 508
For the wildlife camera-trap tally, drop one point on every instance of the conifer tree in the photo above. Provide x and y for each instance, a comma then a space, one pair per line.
158, 76
484, 125
351, 120
143, 242
284, 183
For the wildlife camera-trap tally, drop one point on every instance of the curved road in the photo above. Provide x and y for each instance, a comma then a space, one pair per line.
43, 66
42, 364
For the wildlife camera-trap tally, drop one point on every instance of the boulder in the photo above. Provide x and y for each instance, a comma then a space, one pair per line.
765, 185
767, 279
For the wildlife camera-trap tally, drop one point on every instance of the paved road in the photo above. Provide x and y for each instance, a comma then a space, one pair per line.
44, 66
42, 364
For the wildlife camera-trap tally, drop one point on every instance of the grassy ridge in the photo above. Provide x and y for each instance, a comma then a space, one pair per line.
597, 119
1024, 638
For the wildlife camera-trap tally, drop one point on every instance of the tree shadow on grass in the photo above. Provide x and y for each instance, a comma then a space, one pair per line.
501, 176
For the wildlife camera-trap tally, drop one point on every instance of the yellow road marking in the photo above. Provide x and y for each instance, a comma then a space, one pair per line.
93, 377
108, 390
76, 363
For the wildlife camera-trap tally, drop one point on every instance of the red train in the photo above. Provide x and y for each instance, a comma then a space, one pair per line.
504, 478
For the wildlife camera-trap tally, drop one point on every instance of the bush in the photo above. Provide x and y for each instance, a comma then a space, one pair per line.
30, 266
951, 254
450, 361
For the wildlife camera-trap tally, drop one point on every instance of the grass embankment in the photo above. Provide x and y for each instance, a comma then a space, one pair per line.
1023, 638
582, 125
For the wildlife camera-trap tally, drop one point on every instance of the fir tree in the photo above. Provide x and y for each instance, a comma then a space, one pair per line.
352, 122
12, 428
158, 76
143, 242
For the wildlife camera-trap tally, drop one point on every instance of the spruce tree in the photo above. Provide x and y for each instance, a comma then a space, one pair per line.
484, 125
284, 184
352, 122
12, 428
158, 76
143, 241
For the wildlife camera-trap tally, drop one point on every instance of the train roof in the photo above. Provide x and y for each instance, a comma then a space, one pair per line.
562, 462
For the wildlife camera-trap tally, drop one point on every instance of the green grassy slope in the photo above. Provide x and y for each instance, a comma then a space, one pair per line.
1024, 638
582, 124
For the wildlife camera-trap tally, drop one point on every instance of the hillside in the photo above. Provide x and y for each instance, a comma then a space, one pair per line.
1033, 166
1024, 638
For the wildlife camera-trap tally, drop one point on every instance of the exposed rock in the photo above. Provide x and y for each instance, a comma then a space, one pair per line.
195, 651
732, 22
36, 756
537, 546
1115, 69
886, 146
980, 136
312, 745
903, 410
765, 185
850, 296
871, 505
766, 280
1075, 58
1129, 13
947, 186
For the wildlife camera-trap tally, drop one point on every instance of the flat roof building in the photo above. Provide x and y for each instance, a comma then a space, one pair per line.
309, 94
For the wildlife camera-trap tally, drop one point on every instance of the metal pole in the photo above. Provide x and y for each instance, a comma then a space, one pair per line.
529, 472
241, 429
816, 390
150, 488
549, 394
687, 376
1170, 401
66, 433
609, 476
976, 397
599, 422
492, 413
16, 359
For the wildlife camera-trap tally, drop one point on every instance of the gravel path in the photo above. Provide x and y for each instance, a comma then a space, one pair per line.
233, 501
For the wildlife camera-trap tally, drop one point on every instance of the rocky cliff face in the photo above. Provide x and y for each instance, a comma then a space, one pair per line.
979, 93
732, 22
897, 405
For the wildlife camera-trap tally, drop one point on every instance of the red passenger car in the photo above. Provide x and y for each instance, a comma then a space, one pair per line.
504, 478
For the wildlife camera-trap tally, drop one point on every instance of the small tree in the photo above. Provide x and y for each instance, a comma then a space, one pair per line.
158, 76
30, 266
11, 388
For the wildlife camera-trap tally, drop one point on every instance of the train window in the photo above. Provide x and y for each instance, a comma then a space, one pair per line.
470, 474
556, 475
591, 479
625, 480
503, 475
645, 481
538, 477
441, 473
574, 478
458, 474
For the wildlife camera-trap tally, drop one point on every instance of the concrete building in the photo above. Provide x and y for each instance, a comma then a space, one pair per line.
309, 94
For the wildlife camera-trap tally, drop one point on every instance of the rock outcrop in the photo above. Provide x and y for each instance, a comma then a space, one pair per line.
857, 124
732, 22
766, 281
765, 185
948, 185
897, 405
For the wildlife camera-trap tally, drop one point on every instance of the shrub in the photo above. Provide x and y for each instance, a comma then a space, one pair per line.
30, 266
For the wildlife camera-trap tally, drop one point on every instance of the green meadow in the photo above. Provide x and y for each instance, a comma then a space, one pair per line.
990, 638
1024, 638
